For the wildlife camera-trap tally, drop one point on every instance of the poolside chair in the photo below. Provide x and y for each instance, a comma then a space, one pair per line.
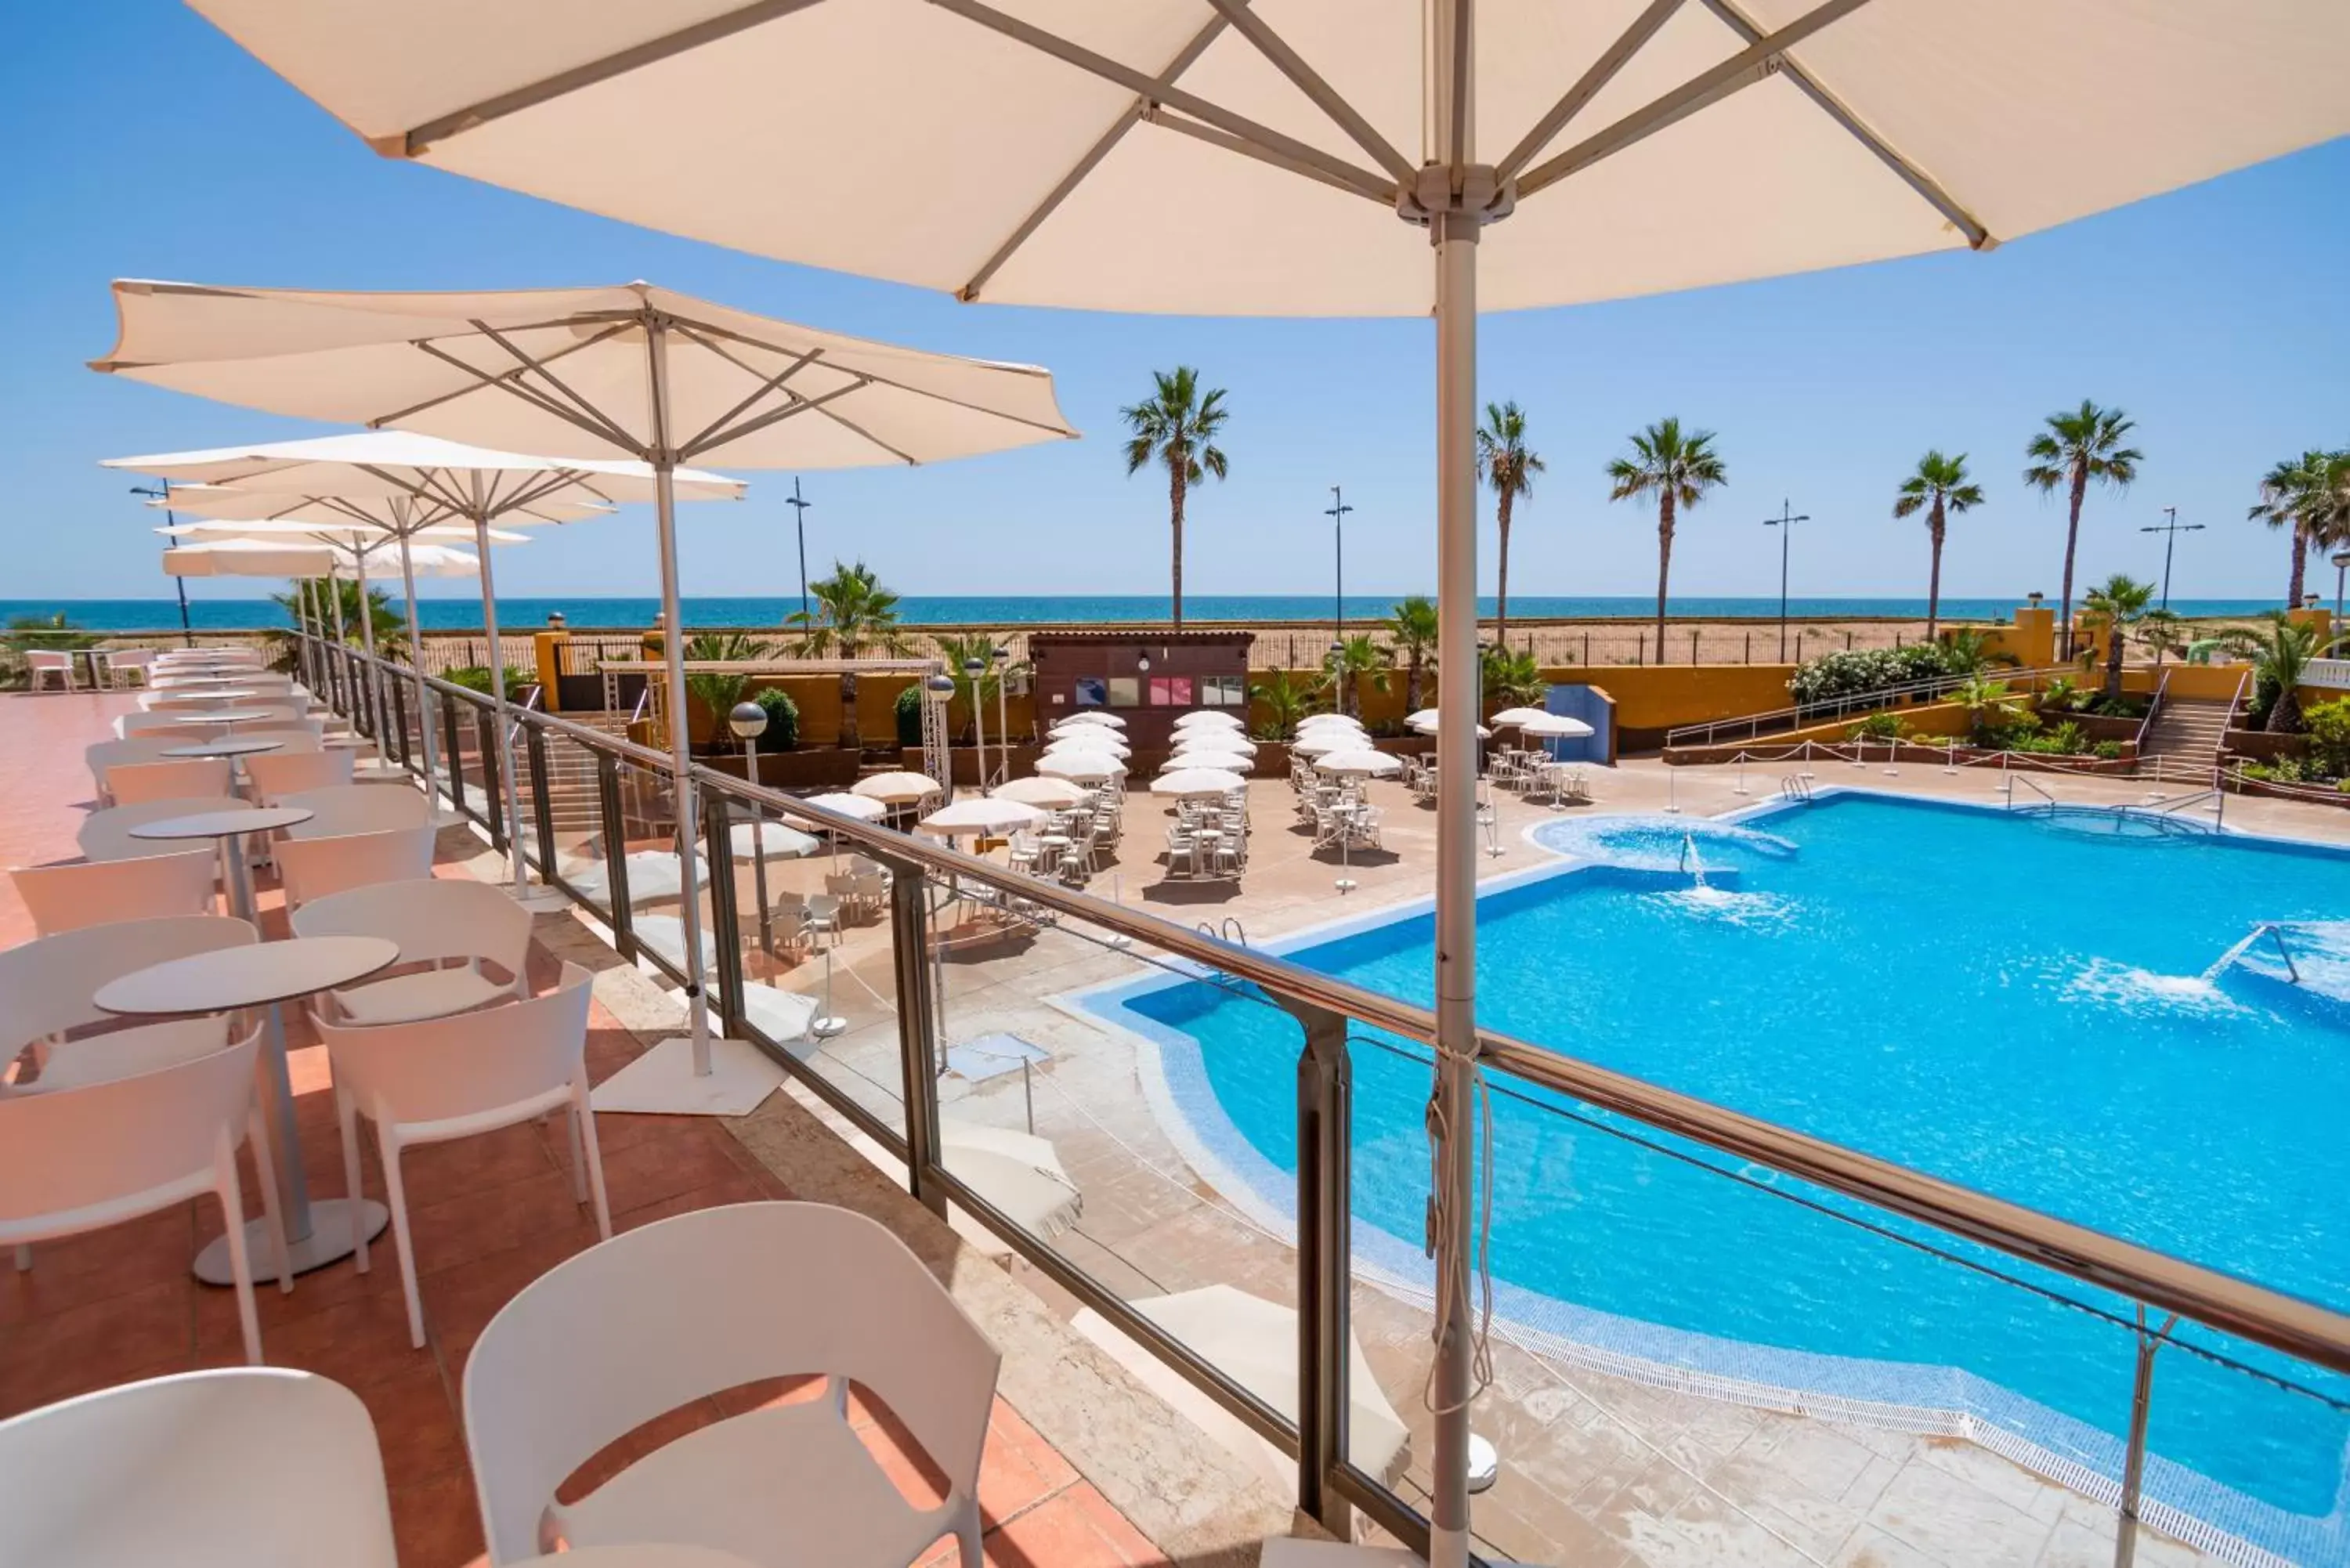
277, 774
260, 1466
340, 809
314, 867
131, 726
673, 1312
436, 1079
447, 925
121, 663
174, 778
105, 754
97, 892
48, 668
47, 986
106, 835
85, 1159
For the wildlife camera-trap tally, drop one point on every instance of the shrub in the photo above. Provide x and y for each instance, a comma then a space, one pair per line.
1887, 726
2328, 728
2108, 750
783, 719
476, 677
910, 715
1862, 670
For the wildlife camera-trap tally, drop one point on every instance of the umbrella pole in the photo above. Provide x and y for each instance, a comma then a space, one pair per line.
367, 642
518, 874
1453, 233
664, 464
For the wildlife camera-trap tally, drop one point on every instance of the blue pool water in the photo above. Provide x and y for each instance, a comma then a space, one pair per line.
2016, 1003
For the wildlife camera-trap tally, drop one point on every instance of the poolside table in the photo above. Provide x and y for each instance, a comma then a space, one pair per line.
228, 718
267, 974
229, 827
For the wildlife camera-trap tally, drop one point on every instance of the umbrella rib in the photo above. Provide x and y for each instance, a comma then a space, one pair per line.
1307, 80
1601, 71
1127, 77
776, 416
1756, 62
483, 378
618, 436
413, 143
435, 403
1917, 179
1247, 148
1085, 166
771, 384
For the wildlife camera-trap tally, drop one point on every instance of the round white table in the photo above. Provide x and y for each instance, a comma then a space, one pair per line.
230, 828
225, 746
227, 718
210, 692
267, 974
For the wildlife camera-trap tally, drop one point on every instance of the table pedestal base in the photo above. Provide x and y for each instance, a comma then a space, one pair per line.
539, 897
662, 1081
330, 1238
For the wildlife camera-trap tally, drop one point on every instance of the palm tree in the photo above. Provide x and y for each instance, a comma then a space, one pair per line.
1680, 467
1967, 651
1988, 705
1941, 490
719, 691
2309, 495
2279, 654
1351, 665
2074, 448
1511, 680
1504, 462
1411, 629
390, 627
2123, 601
2162, 631
1177, 425
958, 651
1285, 699
853, 612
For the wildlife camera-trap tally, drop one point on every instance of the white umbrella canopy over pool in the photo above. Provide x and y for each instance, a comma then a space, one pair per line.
1207, 757
896, 787
1062, 155
980, 814
1186, 783
1085, 767
1551, 727
1207, 721
1093, 716
1359, 762
1050, 793
864, 808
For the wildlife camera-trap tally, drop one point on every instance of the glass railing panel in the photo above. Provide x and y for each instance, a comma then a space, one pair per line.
572, 807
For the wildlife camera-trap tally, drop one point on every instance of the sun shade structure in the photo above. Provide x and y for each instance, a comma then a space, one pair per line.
1191, 783
1348, 158
1054, 795
629, 372
1358, 760
980, 814
405, 484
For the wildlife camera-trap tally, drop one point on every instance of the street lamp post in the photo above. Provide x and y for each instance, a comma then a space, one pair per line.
2341, 559
799, 526
2170, 531
1336, 512
1002, 656
749, 721
973, 669
1785, 523
162, 492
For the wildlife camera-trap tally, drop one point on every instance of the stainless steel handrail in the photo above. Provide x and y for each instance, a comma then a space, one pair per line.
2145, 726
2233, 1305
1839, 706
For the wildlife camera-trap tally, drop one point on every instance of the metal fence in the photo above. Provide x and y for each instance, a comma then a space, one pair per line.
966, 944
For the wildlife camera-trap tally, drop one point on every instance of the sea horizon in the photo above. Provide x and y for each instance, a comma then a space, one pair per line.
589, 611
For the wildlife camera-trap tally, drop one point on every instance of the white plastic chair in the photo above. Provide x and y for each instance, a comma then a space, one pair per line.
142, 748
443, 1078
313, 867
126, 662
47, 986
259, 1466
173, 779
85, 1159
435, 920
55, 669
131, 726
683, 1308
357, 808
275, 775
96, 892
293, 736
106, 835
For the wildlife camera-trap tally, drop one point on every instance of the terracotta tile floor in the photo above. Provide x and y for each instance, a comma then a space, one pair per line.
490, 1215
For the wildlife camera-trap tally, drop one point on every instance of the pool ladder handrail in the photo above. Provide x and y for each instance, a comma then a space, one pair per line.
1232, 934
1795, 787
2275, 933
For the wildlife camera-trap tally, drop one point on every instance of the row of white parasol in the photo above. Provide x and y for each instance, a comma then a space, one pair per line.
1064, 156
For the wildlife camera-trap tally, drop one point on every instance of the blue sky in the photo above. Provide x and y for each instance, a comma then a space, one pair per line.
146, 145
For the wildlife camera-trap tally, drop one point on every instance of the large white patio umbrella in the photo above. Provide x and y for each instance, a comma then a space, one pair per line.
631, 372
407, 484
1065, 157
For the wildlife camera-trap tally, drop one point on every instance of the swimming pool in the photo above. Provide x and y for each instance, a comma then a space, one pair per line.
2023, 1003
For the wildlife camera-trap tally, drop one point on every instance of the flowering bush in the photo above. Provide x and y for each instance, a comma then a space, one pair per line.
1863, 671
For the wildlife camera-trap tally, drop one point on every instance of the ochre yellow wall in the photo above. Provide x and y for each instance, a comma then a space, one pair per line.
1650, 697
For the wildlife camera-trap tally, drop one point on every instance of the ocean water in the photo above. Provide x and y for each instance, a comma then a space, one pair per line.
584, 611
2002, 999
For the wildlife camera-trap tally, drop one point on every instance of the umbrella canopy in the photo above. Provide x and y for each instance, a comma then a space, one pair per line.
1320, 741
1552, 727
1358, 760
1217, 739
1208, 758
1049, 793
1427, 722
631, 372
450, 478
980, 814
1106, 742
323, 526
1085, 767
1515, 716
864, 808
1192, 782
1091, 716
1062, 156
1018, 1172
896, 787
313, 556
748, 841
1330, 721
1207, 719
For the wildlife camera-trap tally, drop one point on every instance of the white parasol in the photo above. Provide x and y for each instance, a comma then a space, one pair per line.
1085, 767
1375, 764
896, 788
1188, 783
1049, 793
986, 813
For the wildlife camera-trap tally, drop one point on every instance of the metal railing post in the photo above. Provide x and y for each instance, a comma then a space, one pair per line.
542, 799
399, 692
615, 852
456, 760
1325, 1111
494, 808
725, 920
917, 1039
2134, 1461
